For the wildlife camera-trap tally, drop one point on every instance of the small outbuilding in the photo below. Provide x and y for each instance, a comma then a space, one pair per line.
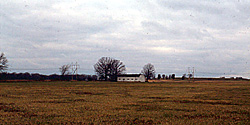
131, 78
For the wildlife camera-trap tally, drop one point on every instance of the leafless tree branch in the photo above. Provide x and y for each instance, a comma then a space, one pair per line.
3, 63
108, 68
64, 70
149, 71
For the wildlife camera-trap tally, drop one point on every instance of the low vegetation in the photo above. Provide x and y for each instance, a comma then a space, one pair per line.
179, 102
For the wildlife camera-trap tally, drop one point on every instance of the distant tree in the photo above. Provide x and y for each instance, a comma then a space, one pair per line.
149, 71
26, 76
163, 76
183, 77
166, 76
190, 76
36, 76
94, 77
170, 76
159, 76
173, 76
3, 63
64, 69
108, 68
116, 68
102, 68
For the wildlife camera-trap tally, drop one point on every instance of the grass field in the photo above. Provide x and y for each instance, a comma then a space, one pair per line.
172, 102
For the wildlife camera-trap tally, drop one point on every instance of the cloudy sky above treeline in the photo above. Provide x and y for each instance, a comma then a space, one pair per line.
213, 36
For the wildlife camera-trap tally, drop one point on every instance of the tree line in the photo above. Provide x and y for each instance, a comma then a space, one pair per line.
40, 77
106, 69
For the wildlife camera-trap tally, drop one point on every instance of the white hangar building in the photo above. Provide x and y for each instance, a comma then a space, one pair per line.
131, 78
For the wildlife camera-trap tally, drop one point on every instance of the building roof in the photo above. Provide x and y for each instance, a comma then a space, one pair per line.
129, 75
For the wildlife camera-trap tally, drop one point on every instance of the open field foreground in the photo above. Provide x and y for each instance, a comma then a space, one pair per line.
206, 102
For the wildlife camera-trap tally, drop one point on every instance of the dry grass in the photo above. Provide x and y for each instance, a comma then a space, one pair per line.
176, 102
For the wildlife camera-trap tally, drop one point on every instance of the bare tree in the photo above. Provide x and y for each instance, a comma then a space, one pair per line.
108, 68
163, 76
190, 76
149, 71
3, 63
159, 76
173, 76
116, 68
183, 77
102, 67
64, 70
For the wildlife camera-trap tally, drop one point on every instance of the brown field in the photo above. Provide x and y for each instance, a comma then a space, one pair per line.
172, 102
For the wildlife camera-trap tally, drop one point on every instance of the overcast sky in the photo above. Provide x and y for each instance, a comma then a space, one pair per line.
211, 35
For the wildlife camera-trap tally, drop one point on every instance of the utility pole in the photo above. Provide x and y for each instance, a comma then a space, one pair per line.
193, 74
189, 74
74, 69
72, 66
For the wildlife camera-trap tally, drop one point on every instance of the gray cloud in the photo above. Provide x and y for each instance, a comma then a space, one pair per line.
211, 36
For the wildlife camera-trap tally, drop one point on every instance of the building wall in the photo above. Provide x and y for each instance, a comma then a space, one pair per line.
141, 78
128, 79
